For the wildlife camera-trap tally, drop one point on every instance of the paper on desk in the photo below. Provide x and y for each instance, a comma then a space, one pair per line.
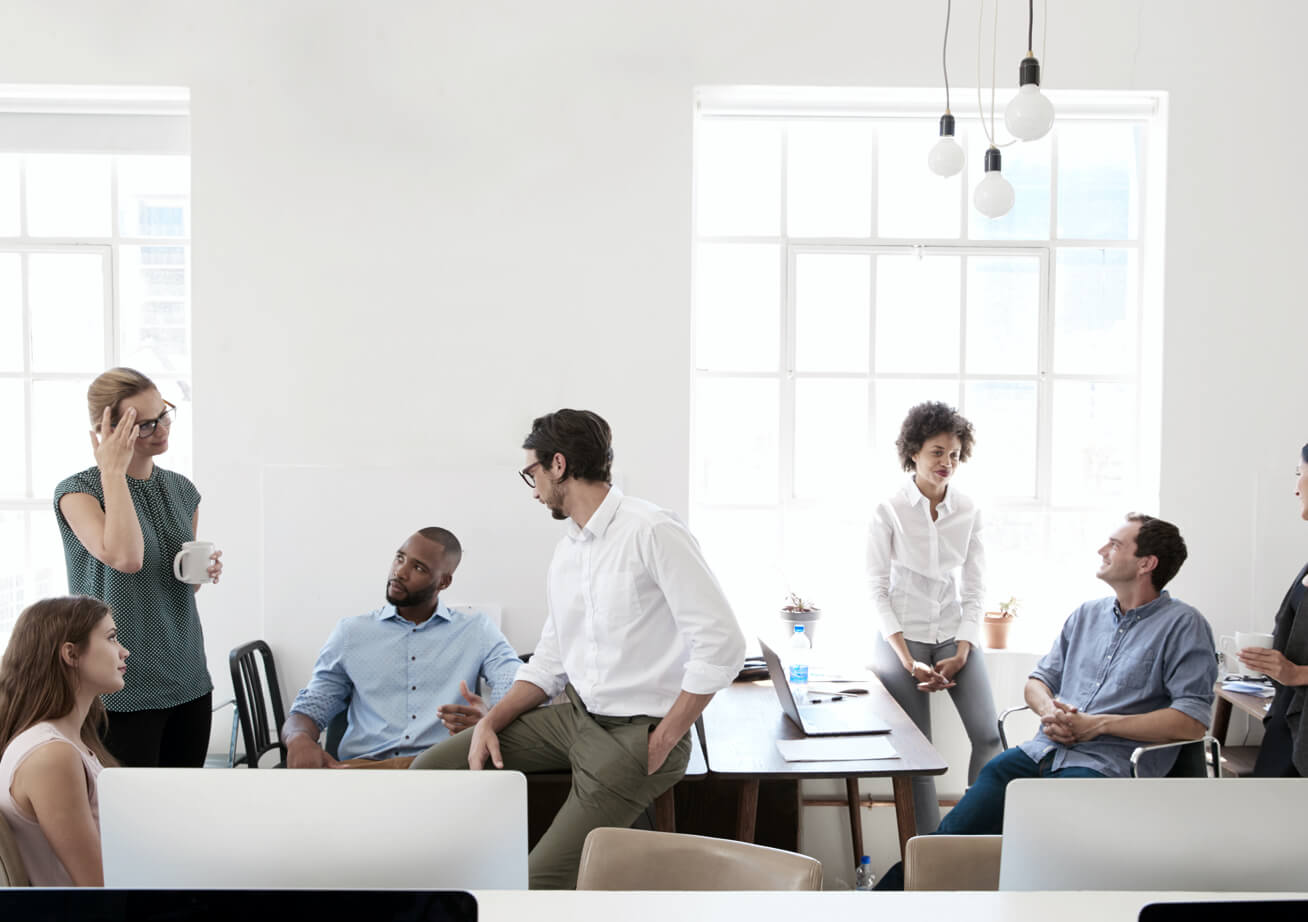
836, 749
1250, 688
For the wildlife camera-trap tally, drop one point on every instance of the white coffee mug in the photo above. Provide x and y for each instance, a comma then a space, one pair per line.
1231, 645
191, 565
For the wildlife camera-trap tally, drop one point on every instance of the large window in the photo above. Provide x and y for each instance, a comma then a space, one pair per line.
838, 282
94, 272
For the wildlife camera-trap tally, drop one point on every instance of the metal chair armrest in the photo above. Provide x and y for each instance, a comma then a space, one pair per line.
1212, 749
1003, 737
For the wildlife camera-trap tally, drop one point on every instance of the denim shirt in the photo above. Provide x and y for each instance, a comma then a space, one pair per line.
1107, 661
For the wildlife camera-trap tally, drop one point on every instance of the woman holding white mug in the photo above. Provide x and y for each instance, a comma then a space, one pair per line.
1284, 752
122, 522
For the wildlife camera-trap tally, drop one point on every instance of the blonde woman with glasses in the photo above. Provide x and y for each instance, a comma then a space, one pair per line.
122, 521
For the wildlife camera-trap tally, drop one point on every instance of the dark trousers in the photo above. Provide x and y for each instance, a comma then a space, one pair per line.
175, 737
981, 811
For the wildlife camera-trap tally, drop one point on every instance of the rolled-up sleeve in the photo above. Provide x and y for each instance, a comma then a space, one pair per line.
500, 665
1050, 668
329, 687
1191, 668
700, 608
880, 549
973, 593
545, 669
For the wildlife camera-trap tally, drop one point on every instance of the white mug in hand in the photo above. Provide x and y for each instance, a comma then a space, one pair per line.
1243, 639
191, 565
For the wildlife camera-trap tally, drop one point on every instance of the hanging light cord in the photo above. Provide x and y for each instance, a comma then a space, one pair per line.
944, 61
1030, 25
994, 55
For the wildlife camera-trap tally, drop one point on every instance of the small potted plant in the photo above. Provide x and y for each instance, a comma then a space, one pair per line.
798, 611
996, 624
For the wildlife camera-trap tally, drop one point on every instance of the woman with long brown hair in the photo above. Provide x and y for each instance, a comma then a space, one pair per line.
62, 656
122, 522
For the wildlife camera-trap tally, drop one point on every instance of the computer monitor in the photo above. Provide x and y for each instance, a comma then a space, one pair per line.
1201, 834
36, 904
267, 828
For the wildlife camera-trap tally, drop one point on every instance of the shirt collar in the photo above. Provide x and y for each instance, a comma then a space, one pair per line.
388, 613
914, 496
1142, 611
599, 520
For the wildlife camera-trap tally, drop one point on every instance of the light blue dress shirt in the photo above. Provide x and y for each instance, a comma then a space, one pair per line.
1159, 655
395, 674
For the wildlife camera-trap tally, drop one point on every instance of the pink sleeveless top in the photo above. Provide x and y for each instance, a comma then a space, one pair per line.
43, 866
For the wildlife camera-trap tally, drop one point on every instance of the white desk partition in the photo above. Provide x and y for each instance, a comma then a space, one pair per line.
269, 828
1245, 834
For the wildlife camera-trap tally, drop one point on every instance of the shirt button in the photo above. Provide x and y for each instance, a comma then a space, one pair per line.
414, 716
413, 657
414, 688
406, 736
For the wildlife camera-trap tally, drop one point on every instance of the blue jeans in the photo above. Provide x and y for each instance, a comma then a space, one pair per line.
981, 811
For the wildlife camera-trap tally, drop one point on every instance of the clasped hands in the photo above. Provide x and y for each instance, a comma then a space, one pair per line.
941, 677
1065, 724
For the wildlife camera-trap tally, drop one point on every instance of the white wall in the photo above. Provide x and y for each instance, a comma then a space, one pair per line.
417, 225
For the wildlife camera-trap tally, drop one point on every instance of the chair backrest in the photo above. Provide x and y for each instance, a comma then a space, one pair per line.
248, 684
1201, 758
336, 728
639, 859
952, 863
12, 871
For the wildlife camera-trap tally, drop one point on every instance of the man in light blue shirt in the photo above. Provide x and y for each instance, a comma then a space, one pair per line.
1134, 668
402, 668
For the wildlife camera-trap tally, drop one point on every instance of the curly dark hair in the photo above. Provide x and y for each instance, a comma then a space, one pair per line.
930, 419
1160, 539
581, 436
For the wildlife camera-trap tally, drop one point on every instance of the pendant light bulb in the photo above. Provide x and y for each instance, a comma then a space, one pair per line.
994, 194
946, 157
1030, 115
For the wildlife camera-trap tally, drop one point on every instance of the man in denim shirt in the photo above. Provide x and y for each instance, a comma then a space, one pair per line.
1136, 667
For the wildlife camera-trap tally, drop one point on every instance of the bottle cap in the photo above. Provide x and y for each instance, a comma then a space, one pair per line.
867, 859
799, 628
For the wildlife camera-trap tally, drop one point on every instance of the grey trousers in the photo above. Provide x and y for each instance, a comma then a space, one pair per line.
972, 697
608, 758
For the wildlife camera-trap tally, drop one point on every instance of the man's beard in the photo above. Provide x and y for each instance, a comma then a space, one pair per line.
410, 599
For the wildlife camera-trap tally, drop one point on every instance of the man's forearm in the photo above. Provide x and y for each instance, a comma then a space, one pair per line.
297, 724
1038, 696
521, 697
683, 713
1164, 725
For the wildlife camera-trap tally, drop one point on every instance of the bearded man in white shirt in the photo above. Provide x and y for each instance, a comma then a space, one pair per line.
638, 635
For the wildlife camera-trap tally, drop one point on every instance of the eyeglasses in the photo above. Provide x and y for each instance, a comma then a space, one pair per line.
146, 427
527, 476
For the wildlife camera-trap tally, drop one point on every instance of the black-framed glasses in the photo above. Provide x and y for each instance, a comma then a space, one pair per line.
146, 427
527, 476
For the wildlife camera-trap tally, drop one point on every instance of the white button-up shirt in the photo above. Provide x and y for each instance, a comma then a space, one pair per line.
635, 616
913, 562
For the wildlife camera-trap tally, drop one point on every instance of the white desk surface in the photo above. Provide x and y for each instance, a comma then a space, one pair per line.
595, 906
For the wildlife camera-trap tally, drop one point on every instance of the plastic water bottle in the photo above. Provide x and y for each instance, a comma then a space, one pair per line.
864, 879
799, 652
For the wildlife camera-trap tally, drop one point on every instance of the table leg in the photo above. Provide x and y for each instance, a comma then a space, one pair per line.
746, 810
1221, 718
665, 812
855, 818
905, 814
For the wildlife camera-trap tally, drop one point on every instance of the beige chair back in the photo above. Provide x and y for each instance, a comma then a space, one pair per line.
12, 871
952, 863
639, 859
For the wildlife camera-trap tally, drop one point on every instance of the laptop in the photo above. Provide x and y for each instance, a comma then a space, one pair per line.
830, 718
207, 829
1200, 834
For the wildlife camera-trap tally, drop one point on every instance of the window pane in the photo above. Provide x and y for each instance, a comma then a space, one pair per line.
1095, 327
1004, 414
9, 199
46, 553
1098, 181
11, 312
1026, 166
831, 451
737, 306
66, 297
832, 574
13, 564
68, 195
28, 571
893, 400
742, 547
59, 433
829, 179
736, 435
1003, 315
177, 390
738, 178
831, 308
154, 196
1094, 442
917, 312
911, 200
13, 447
153, 301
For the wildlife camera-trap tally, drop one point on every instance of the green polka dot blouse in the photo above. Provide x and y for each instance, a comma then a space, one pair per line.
155, 613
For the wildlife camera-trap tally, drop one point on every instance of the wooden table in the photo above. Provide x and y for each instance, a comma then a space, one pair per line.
744, 721
1238, 760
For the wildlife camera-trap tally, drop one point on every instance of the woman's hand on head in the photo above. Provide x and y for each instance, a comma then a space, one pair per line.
114, 449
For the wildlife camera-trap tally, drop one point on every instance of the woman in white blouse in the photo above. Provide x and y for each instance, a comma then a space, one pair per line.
922, 538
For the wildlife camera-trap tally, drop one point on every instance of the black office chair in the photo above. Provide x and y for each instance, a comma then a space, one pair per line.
252, 704
1201, 758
